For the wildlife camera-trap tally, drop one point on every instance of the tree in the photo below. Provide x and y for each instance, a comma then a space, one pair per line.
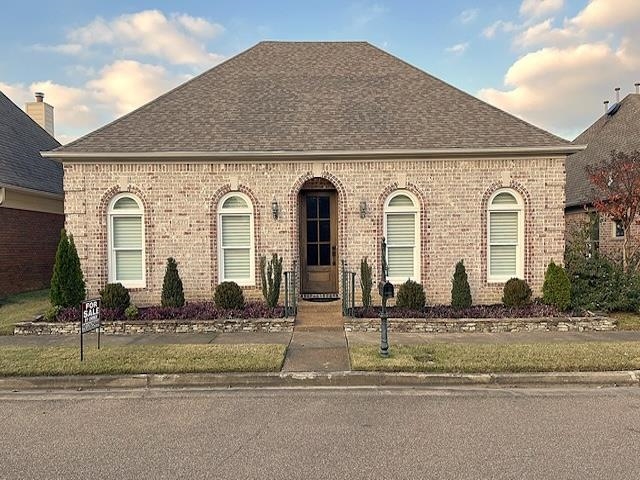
616, 185
172, 291
271, 278
460, 290
67, 282
366, 282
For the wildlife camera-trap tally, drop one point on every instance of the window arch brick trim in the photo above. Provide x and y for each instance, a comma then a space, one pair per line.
214, 210
529, 222
103, 232
295, 213
423, 227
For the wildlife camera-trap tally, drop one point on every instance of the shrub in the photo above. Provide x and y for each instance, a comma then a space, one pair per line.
115, 296
51, 313
517, 293
556, 289
460, 290
172, 292
67, 282
271, 277
131, 312
228, 295
411, 295
366, 282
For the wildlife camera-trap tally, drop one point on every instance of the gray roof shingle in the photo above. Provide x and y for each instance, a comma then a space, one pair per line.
313, 96
620, 131
21, 141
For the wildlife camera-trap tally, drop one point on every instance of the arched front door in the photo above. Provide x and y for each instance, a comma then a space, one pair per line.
319, 238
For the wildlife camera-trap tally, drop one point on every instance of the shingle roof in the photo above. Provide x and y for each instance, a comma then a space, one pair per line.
620, 131
313, 96
21, 140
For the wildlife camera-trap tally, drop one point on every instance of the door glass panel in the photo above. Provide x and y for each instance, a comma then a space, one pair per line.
325, 254
312, 207
325, 231
323, 204
312, 231
312, 254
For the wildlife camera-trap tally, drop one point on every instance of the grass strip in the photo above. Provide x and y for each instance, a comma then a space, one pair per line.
21, 307
627, 321
487, 358
52, 361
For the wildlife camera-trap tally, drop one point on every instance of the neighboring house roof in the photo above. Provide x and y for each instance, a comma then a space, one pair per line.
21, 141
618, 131
313, 97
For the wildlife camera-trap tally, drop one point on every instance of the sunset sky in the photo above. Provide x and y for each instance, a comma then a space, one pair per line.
551, 62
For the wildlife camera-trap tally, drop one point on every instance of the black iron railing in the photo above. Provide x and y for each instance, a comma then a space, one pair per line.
290, 291
348, 290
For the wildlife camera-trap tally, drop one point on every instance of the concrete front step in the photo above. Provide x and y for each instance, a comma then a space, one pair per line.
314, 316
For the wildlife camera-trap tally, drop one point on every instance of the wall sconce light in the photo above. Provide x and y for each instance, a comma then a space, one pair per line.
363, 208
275, 208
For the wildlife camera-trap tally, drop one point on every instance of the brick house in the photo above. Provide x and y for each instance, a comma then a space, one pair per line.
617, 129
315, 150
31, 197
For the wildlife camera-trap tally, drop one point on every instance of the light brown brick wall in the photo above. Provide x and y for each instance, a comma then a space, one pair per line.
181, 199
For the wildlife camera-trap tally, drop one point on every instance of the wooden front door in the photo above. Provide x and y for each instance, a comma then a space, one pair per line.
318, 241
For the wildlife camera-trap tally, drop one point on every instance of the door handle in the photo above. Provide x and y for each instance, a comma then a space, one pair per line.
333, 254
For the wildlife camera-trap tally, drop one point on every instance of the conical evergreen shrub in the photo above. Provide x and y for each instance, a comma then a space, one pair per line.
460, 290
556, 289
67, 282
172, 291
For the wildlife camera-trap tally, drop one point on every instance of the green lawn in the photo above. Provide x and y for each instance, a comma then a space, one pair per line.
626, 320
486, 358
21, 307
32, 361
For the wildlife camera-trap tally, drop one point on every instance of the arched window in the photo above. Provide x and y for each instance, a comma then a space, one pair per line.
506, 236
402, 232
236, 245
126, 241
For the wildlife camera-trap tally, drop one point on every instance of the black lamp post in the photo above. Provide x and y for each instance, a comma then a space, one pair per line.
385, 288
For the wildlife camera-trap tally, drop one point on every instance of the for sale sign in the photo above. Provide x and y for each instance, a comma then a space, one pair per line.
90, 315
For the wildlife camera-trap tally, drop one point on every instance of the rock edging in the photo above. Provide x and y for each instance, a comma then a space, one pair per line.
132, 327
484, 325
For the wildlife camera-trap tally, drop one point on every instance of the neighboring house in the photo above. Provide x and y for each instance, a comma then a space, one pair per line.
617, 129
315, 150
31, 197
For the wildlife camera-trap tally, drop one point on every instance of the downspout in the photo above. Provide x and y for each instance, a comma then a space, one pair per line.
2, 195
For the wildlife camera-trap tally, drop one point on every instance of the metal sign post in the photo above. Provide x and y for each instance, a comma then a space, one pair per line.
385, 288
89, 321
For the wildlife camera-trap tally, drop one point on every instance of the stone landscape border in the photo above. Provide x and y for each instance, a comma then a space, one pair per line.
485, 325
132, 327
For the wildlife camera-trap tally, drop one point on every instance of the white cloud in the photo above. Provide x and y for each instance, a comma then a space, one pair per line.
127, 84
498, 26
544, 33
605, 14
457, 49
539, 8
152, 33
66, 48
363, 14
469, 15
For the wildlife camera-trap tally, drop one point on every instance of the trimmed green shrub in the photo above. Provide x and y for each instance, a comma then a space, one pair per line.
116, 296
172, 291
411, 295
517, 293
271, 278
67, 282
228, 295
366, 282
131, 312
556, 289
460, 290
51, 313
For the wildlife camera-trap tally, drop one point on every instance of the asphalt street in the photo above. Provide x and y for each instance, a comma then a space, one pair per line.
470, 433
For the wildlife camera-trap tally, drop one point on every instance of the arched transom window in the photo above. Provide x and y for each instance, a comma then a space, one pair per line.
236, 245
402, 233
506, 236
126, 241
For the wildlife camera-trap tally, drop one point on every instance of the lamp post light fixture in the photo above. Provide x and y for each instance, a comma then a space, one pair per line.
363, 208
275, 208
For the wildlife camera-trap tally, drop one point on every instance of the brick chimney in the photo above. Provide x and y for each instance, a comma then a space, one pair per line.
41, 112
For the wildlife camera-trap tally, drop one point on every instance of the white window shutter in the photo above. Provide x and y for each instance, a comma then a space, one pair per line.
503, 240
401, 233
236, 246
127, 244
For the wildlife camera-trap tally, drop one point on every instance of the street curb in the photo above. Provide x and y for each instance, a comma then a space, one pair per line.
319, 379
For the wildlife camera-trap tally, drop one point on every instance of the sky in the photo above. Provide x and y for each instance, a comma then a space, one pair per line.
550, 62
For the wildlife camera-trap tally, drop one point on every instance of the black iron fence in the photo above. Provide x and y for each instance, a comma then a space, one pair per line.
290, 291
348, 290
